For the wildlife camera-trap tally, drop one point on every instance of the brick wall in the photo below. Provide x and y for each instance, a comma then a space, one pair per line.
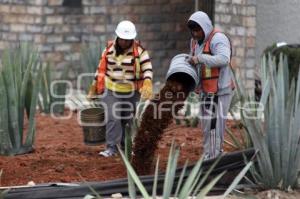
58, 31
238, 19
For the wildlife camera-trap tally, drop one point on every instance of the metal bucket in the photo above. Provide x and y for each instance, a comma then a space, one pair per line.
181, 71
93, 131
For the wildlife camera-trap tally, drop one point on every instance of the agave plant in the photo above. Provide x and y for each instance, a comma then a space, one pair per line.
274, 125
243, 140
2, 193
90, 56
20, 67
49, 102
188, 184
191, 186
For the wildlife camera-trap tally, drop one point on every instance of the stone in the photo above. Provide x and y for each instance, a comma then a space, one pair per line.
97, 10
251, 42
54, 39
17, 28
240, 52
34, 28
26, 19
62, 29
39, 38
47, 29
251, 31
250, 63
18, 9
38, 2
250, 21
55, 2
9, 36
34, 10
54, 20
237, 1
62, 47
48, 10
54, 56
12, 19
4, 9
87, 20
45, 48
3, 44
250, 52
251, 11
225, 18
72, 57
99, 28
25, 37
118, 2
241, 31
72, 38
89, 2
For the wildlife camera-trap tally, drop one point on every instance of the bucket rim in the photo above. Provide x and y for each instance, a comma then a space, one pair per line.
101, 110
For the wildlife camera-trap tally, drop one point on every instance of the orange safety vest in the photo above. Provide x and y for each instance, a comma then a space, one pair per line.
209, 76
102, 67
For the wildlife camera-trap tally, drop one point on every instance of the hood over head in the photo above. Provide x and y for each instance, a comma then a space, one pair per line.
204, 22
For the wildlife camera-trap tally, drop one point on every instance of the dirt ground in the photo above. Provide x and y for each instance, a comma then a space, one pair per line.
60, 154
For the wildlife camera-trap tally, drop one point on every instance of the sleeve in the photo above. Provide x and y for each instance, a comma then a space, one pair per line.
221, 52
97, 70
146, 65
191, 47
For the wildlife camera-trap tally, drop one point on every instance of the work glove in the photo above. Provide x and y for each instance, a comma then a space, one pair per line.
146, 90
92, 93
193, 60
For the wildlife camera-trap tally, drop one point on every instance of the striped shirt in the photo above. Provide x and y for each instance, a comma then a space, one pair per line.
120, 75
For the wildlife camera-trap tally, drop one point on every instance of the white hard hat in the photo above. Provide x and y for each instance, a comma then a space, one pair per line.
126, 30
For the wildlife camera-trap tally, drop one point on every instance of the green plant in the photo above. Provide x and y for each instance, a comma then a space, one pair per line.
241, 140
20, 67
2, 193
192, 184
274, 124
48, 102
292, 52
90, 57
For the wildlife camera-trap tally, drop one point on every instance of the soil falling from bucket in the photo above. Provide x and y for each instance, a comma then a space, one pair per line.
157, 116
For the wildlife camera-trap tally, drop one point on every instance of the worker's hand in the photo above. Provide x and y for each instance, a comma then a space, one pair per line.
92, 93
146, 90
193, 60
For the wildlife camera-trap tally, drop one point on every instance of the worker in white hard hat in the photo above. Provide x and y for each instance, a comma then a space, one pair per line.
124, 75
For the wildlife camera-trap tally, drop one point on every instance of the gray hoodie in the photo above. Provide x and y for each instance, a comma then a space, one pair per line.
220, 49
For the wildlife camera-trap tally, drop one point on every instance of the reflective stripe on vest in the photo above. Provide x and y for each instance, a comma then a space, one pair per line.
209, 76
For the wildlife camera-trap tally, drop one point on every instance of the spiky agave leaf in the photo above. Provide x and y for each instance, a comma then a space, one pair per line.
277, 136
18, 67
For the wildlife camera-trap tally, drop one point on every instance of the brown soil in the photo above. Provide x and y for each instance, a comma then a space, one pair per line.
60, 154
151, 129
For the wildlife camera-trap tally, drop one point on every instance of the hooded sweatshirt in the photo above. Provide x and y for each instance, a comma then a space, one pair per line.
220, 49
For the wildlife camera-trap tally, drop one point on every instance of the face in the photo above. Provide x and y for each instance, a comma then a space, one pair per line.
198, 34
124, 43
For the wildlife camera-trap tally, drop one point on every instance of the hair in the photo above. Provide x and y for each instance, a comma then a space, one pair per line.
192, 25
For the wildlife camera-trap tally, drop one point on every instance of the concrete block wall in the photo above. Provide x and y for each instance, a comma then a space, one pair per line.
59, 30
237, 18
